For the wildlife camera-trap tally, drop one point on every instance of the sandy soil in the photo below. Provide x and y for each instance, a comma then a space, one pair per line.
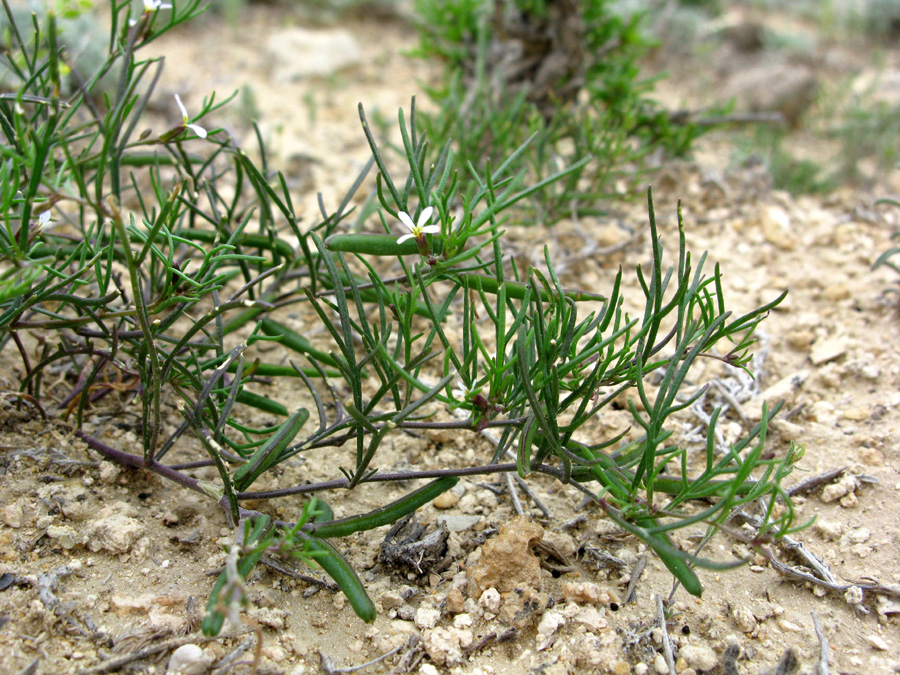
100, 563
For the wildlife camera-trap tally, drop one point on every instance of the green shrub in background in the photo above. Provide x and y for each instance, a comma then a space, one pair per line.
565, 74
144, 268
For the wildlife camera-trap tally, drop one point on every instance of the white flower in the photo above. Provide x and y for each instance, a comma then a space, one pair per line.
44, 218
421, 228
462, 392
196, 128
156, 5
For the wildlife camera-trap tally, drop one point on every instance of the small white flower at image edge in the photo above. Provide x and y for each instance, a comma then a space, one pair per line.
196, 128
156, 5
420, 228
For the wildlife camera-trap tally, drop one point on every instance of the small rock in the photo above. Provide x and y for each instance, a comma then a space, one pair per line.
109, 472
458, 523
853, 595
507, 561
885, 605
823, 413
620, 667
427, 617
585, 592
463, 621
660, 665
273, 617
442, 646
490, 600
114, 531
827, 349
860, 550
14, 515
744, 619
859, 536
587, 652
401, 627
878, 642
592, 619
446, 500
65, 535
836, 292
390, 600
563, 543
550, 622
829, 530
857, 414
846, 485
699, 657
849, 501
455, 602
777, 228
522, 606
188, 659
871, 456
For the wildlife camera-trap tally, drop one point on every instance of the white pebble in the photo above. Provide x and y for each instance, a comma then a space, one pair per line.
550, 623
878, 642
490, 600
188, 659
427, 617
698, 657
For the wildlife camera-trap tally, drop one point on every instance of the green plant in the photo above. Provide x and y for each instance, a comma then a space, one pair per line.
886, 258
565, 74
157, 263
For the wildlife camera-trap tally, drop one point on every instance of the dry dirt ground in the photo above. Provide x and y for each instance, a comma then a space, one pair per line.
100, 564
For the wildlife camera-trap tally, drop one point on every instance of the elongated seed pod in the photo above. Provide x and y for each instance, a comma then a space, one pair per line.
261, 402
384, 515
293, 340
377, 244
663, 547
516, 290
345, 577
269, 453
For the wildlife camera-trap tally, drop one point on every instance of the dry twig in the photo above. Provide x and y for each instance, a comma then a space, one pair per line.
635, 577
822, 665
667, 646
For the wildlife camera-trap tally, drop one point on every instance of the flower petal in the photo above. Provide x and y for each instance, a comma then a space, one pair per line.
425, 216
197, 129
404, 237
181, 107
406, 220
431, 229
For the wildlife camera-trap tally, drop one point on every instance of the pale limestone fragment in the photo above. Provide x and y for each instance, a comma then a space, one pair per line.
427, 617
443, 646
592, 619
188, 659
584, 592
115, 530
550, 622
